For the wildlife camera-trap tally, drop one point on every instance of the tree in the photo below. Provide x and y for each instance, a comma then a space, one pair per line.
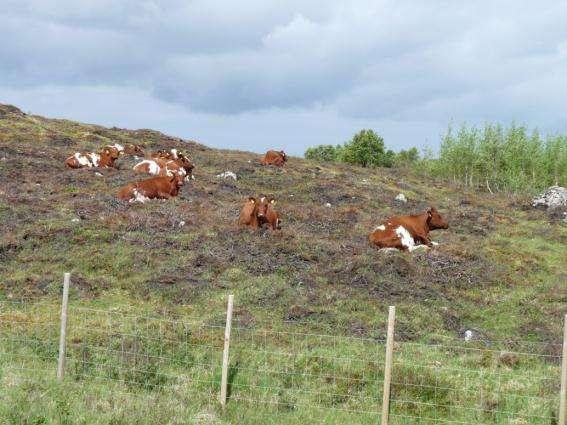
366, 148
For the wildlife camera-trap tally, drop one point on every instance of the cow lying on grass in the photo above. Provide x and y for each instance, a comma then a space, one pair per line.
274, 158
408, 231
129, 149
257, 212
159, 166
105, 159
163, 154
161, 187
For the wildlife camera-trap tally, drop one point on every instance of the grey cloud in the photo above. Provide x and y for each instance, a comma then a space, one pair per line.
368, 62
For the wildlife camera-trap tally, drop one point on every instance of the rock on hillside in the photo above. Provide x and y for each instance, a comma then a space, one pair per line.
554, 197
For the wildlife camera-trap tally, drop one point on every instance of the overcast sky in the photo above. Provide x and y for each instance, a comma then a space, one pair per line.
288, 74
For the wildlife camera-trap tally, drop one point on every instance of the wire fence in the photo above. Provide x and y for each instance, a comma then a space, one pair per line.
280, 369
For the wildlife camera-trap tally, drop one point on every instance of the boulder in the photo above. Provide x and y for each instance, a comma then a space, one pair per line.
554, 197
401, 198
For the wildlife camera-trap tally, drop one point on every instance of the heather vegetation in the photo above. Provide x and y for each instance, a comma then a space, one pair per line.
149, 287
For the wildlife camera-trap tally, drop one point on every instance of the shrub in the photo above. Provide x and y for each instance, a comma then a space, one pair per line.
324, 153
367, 149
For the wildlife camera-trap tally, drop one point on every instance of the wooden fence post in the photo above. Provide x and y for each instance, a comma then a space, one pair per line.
563, 391
224, 380
63, 332
388, 365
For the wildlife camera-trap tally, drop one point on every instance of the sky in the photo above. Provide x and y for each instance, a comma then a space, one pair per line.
259, 74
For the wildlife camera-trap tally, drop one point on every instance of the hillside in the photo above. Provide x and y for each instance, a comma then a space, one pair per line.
499, 269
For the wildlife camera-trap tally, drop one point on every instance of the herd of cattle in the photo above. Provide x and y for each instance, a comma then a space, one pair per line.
171, 169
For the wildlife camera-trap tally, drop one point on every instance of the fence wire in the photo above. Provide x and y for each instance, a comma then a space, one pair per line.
283, 370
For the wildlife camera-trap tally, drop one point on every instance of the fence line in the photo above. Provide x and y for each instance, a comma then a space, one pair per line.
370, 379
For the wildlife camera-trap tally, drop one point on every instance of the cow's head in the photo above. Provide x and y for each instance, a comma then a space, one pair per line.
284, 157
435, 221
177, 181
110, 153
114, 149
263, 203
134, 150
186, 163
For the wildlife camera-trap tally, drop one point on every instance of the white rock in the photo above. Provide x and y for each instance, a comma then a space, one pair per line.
181, 223
75, 220
98, 174
227, 175
468, 335
328, 205
401, 198
554, 197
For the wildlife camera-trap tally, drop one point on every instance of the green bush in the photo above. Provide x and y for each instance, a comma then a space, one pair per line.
324, 153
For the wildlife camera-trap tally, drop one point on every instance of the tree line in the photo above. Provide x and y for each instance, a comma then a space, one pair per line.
510, 159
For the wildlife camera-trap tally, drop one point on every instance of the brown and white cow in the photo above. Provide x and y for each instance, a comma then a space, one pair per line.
161, 187
182, 166
408, 231
129, 149
163, 154
105, 159
257, 212
274, 158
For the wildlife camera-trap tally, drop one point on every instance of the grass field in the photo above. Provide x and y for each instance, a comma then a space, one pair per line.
148, 295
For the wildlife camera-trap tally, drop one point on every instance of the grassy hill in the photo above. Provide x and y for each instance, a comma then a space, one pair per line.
499, 269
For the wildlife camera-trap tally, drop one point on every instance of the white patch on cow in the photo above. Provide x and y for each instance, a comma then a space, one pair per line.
262, 199
95, 159
139, 197
381, 227
405, 237
153, 167
174, 153
82, 160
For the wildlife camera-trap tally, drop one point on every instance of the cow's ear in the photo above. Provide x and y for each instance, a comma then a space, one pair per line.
252, 199
272, 201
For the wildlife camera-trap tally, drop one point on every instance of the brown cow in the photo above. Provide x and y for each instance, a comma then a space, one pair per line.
274, 158
408, 231
257, 212
162, 187
158, 166
130, 149
163, 154
89, 159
